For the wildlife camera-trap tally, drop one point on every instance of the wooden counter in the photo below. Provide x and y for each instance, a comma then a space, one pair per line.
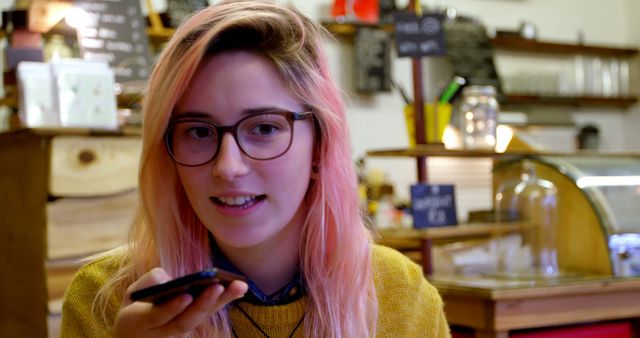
493, 307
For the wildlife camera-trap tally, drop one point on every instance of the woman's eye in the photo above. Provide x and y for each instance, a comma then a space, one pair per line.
200, 132
264, 129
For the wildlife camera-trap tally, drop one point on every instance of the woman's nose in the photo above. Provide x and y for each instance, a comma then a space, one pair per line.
229, 163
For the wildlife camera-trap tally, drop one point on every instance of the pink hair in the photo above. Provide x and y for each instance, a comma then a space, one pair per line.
336, 246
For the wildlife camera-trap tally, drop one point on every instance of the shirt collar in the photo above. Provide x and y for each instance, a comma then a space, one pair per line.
291, 292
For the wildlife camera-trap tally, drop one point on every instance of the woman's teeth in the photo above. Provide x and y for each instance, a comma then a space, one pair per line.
237, 201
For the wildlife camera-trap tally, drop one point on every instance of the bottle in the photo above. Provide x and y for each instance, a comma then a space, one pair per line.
533, 201
478, 114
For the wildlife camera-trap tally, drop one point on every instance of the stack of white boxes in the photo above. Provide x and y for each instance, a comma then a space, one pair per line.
67, 93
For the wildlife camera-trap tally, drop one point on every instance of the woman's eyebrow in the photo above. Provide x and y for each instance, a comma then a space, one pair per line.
260, 110
191, 115
245, 112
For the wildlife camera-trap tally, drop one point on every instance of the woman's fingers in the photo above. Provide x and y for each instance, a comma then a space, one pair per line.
211, 300
176, 316
235, 290
138, 319
197, 312
151, 278
148, 316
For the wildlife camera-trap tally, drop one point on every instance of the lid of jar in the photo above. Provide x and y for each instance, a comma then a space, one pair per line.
477, 90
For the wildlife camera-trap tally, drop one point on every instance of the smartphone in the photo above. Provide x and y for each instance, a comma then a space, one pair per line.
193, 284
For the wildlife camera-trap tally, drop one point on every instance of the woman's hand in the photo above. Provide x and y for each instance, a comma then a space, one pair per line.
175, 317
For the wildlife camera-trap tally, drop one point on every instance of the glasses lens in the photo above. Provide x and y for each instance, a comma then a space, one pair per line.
192, 142
264, 136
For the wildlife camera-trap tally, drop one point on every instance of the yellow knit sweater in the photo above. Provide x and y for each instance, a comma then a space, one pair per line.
408, 305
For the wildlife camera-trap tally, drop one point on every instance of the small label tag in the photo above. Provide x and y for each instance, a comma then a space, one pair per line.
433, 205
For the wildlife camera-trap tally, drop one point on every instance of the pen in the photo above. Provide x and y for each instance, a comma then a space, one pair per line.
452, 88
403, 92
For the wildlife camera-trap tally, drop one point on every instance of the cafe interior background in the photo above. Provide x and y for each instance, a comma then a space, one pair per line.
573, 91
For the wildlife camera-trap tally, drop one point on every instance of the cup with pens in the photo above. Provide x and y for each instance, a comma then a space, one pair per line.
437, 115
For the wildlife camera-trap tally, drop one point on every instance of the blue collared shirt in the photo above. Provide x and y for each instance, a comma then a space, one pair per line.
287, 294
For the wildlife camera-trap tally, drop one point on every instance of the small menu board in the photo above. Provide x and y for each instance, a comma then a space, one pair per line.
471, 53
419, 36
116, 33
433, 205
373, 60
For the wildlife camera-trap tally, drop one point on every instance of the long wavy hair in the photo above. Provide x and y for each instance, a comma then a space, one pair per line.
335, 245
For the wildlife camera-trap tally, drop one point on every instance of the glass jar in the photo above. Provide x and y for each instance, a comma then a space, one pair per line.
533, 201
478, 114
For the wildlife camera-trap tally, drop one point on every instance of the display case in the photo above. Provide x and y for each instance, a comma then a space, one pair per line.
598, 199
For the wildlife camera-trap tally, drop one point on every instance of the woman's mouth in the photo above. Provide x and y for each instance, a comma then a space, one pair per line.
237, 201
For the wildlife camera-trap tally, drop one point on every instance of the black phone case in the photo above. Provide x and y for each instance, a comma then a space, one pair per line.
193, 284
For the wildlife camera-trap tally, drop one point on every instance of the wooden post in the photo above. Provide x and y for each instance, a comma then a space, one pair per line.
425, 256
420, 132
418, 106
23, 197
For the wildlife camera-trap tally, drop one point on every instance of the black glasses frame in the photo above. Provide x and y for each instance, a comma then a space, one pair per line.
233, 129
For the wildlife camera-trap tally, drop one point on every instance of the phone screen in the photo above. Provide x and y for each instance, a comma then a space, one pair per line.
193, 284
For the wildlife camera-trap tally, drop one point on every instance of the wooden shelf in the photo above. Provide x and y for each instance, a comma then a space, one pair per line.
456, 231
420, 240
515, 43
124, 100
431, 150
578, 101
10, 101
504, 42
49, 132
526, 45
349, 29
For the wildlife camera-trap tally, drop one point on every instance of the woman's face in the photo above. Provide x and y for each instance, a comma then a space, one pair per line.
246, 202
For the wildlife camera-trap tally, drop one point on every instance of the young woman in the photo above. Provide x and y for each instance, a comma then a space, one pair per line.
246, 166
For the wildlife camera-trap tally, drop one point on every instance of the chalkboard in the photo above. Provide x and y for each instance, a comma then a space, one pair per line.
372, 60
419, 36
470, 53
116, 33
433, 205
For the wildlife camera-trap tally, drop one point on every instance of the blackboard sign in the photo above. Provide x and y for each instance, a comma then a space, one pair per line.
419, 36
433, 205
373, 60
115, 32
471, 53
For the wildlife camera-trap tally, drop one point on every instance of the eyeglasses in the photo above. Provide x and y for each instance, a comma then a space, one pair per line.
193, 142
